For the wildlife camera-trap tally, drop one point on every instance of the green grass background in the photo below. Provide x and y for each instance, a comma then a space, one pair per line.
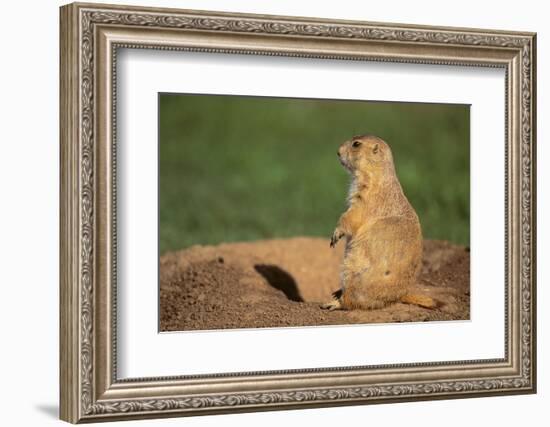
245, 168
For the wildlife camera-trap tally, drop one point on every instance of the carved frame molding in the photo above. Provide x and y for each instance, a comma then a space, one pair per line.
90, 37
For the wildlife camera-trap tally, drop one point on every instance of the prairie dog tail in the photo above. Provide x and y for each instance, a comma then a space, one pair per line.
420, 300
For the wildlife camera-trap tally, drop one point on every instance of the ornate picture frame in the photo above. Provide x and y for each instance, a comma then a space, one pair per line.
90, 37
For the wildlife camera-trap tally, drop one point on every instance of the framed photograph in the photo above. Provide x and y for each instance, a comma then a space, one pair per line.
266, 212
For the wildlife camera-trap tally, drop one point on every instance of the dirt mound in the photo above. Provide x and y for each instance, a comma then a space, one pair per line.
276, 283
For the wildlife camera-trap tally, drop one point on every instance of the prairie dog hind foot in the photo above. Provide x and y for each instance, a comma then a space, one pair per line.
335, 303
332, 305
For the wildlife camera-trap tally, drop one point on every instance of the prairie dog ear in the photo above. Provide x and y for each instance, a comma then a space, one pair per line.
375, 148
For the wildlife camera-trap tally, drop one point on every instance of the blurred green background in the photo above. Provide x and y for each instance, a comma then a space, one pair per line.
238, 168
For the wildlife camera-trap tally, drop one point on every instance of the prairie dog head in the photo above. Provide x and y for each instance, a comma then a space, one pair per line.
365, 153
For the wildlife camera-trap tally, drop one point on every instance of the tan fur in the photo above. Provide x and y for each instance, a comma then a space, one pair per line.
421, 300
383, 254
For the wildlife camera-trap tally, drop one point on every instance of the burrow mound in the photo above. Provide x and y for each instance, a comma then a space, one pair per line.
276, 283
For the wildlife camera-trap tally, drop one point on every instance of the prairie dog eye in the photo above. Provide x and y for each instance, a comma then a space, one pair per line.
375, 149
356, 144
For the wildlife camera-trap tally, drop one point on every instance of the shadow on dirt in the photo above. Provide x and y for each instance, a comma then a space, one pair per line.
281, 280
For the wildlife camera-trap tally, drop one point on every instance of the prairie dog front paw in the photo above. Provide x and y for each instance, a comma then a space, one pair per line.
336, 236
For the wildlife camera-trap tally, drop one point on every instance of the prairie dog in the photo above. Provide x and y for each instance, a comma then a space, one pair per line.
383, 253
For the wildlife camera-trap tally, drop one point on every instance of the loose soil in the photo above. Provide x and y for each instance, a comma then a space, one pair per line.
277, 283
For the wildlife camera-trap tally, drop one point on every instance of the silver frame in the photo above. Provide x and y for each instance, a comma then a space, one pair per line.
90, 37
